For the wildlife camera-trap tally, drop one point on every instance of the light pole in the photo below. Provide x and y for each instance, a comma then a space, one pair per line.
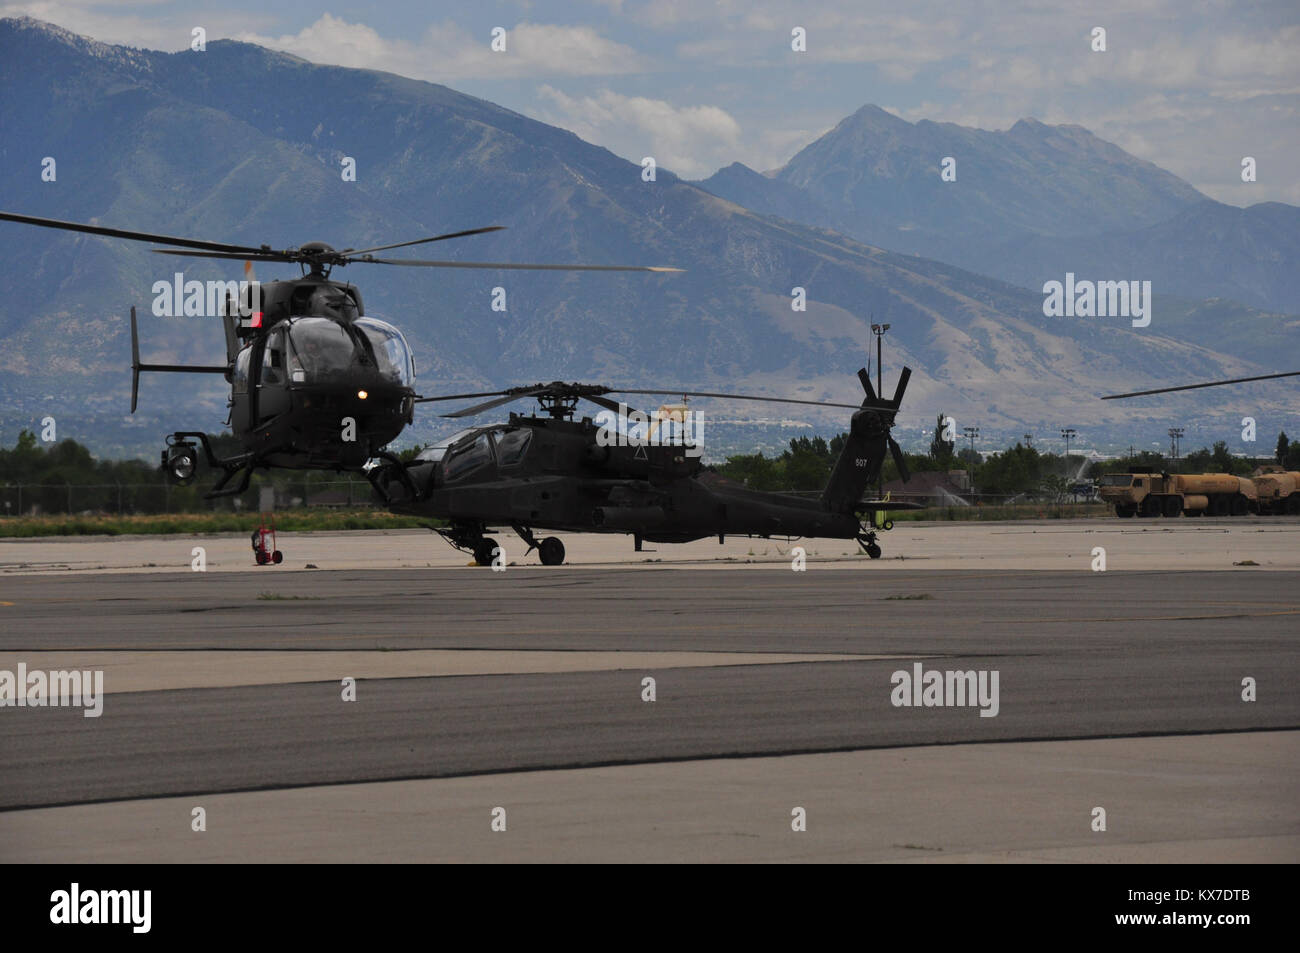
1067, 433
1175, 434
1029, 441
879, 331
972, 433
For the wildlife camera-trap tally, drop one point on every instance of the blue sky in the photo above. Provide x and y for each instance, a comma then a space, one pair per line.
1190, 86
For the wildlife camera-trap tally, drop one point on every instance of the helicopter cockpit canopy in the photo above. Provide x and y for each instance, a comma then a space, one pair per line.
333, 302
320, 349
439, 450
510, 444
392, 353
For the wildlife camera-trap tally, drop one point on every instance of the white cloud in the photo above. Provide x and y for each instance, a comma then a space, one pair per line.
447, 53
164, 28
689, 140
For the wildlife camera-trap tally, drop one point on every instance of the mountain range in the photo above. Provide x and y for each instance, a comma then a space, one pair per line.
242, 144
1027, 205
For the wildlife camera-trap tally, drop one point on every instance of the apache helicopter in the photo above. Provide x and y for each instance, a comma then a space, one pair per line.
554, 472
314, 382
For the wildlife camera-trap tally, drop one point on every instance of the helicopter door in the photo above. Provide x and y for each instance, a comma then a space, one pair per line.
241, 400
272, 392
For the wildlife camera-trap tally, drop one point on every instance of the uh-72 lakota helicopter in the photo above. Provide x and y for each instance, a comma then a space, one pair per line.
314, 382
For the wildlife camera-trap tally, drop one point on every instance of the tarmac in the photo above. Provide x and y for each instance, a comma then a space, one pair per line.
618, 709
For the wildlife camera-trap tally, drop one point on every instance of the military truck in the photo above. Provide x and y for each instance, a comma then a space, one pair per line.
1278, 491
1147, 493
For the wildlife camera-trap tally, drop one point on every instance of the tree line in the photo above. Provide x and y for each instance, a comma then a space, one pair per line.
806, 465
66, 477
45, 472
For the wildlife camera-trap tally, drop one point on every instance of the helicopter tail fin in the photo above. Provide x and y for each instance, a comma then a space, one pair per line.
137, 367
864, 451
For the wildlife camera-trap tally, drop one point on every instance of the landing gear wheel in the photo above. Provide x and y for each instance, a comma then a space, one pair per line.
887, 525
869, 545
483, 550
551, 551
277, 557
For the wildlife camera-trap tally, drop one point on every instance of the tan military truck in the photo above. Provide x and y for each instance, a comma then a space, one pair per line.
1278, 491
1145, 492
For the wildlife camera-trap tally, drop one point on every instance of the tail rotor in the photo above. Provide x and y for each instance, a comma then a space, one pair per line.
868, 441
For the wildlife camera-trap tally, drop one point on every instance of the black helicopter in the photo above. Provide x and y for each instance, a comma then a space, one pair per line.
557, 473
314, 382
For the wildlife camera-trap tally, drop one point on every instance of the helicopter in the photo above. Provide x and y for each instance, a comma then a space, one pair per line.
550, 471
315, 382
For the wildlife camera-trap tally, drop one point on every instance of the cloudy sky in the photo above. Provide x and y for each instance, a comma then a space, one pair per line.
1191, 85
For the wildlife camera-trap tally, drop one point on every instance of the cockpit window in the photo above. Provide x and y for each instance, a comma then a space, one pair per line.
239, 380
273, 358
318, 349
389, 350
512, 446
468, 458
439, 450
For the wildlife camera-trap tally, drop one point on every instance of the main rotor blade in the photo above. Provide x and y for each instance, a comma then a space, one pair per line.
486, 393
702, 393
489, 404
608, 404
508, 266
242, 250
235, 256
422, 241
1235, 380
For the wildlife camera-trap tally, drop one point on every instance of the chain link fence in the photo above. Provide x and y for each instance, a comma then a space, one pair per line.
123, 499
